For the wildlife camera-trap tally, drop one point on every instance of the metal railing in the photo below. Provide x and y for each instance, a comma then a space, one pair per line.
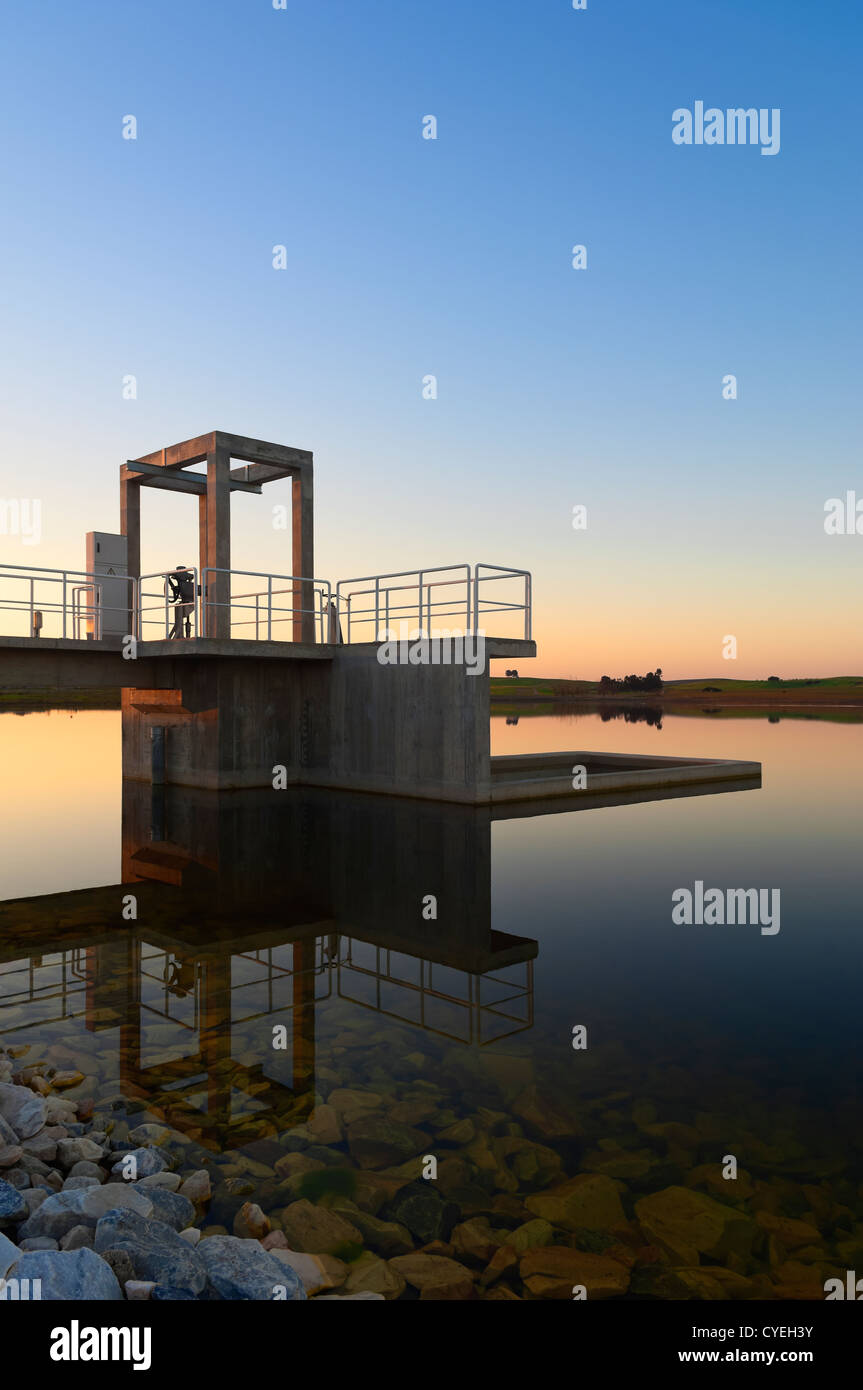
59, 603
448, 599
259, 610
377, 602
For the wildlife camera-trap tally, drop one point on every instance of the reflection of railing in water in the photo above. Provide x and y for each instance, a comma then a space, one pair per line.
425, 991
70, 988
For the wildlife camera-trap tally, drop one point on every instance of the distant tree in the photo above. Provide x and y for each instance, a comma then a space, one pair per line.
773, 678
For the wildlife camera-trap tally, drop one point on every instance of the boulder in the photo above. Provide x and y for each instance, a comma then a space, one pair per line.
9, 1253
589, 1201
317, 1230
435, 1276
552, 1271
156, 1251
242, 1269
315, 1272
378, 1142
687, 1224
140, 1163
22, 1109
69, 1275
13, 1207
420, 1208
83, 1207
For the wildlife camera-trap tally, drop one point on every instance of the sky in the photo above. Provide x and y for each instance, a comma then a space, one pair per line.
408, 257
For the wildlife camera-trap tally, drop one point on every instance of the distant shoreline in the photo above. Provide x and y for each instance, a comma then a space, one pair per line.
828, 692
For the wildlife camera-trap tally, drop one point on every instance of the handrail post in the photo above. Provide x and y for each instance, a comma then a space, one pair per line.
64, 603
270, 607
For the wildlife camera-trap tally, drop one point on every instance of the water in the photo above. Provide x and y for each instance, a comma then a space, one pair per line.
309, 912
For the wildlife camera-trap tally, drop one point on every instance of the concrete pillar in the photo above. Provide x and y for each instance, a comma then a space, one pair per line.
130, 527
303, 557
218, 617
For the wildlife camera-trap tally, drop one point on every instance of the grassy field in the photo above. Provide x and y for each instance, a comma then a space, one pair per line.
711, 690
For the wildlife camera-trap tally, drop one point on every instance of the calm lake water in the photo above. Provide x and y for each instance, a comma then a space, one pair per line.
304, 912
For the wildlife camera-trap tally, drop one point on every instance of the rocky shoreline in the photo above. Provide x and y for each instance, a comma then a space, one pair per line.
99, 1200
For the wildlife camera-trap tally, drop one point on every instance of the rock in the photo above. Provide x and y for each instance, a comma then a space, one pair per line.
531, 1235
317, 1230
386, 1237
349, 1105
538, 1114
370, 1274
34, 1197
13, 1207
250, 1223
242, 1269
474, 1240
138, 1290
170, 1207
83, 1207
78, 1238
423, 1211
553, 1271
323, 1125
7, 1133
461, 1133
503, 1261
73, 1151
85, 1169
197, 1186
434, 1275
76, 1184
9, 1253
168, 1182
345, 1297
156, 1251
315, 1272
63, 1080
191, 1235
39, 1243
23, 1110
686, 1224
148, 1134
10, 1155
17, 1178
58, 1111
790, 1233
589, 1200
69, 1275
378, 1142
121, 1263
140, 1163
276, 1240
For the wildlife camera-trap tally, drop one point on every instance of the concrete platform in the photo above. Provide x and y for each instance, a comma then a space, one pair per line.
541, 776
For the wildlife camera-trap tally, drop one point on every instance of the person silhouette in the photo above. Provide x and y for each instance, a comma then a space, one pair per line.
182, 585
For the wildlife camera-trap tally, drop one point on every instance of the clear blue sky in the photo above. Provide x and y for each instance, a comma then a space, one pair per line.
302, 127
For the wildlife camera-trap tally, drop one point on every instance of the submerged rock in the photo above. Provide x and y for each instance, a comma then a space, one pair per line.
687, 1224
590, 1200
317, 1230
553, 1271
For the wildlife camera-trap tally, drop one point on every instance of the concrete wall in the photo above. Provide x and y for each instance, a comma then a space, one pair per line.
349, 722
